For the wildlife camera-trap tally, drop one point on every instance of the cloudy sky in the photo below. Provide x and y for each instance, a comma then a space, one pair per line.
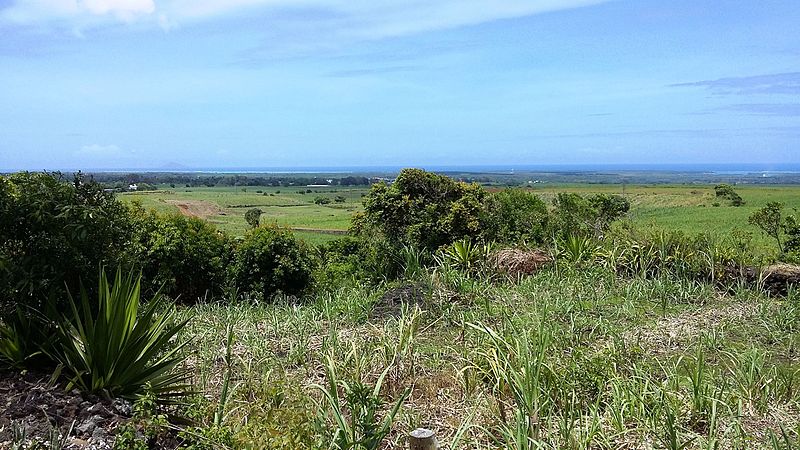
281, 83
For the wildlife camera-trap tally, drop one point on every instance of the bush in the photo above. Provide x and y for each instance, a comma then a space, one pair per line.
185, 257
253, 217
726, 191
575, 215
513, 215
320, 200
422, 209
271, 260
784, 229
52, 232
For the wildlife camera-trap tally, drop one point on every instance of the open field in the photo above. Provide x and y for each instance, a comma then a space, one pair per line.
580, 359
688, 208
225, 207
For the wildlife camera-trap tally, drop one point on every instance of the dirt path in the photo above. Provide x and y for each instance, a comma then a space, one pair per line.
196, 208
321, 230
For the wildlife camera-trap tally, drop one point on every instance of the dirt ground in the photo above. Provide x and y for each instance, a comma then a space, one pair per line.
196, 208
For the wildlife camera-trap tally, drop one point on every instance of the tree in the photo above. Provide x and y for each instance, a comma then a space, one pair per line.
770, 220
253, 217
422, 209
320, 200
55, 233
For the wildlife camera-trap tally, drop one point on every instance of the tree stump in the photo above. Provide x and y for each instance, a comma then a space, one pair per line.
422, 439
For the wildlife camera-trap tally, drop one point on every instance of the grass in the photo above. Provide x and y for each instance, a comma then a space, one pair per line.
688, 208
225, 206
567, 358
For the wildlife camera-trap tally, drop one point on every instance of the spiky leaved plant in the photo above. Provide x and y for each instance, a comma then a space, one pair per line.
109, 347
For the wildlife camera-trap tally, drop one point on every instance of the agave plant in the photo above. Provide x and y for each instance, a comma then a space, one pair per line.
577, 248
110, 348
463, 254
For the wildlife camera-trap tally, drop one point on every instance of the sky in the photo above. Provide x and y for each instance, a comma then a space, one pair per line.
152, 84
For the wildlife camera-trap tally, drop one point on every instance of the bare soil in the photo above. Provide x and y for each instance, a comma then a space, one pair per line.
196, 208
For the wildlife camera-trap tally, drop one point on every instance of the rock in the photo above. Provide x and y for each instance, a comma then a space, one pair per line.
89, 425
99, 434
122, 407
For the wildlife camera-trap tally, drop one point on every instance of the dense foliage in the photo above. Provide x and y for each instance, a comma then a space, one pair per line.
183, 256
253, 217
269, 261
54, 233
586, 216
514, 215
422, 209
725, 191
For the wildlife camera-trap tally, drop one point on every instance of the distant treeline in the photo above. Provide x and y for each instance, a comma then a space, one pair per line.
198, 180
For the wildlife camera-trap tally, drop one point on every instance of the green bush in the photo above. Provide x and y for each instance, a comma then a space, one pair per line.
513, 215
253, 216
185, 257
422, 209
586, 216
320, 200
52, 232
271, 260
726, 191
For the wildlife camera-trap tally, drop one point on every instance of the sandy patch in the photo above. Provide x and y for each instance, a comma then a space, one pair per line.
196, 208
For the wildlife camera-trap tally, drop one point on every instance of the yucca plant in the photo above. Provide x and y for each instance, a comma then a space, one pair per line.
110, 348
463, 254
577, 248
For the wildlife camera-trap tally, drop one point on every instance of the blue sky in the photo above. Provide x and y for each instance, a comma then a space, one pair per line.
281, 83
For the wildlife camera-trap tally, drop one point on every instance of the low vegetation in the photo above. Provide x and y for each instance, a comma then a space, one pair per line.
491, 317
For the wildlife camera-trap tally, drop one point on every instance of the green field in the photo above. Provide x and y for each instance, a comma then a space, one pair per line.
225, 207
688, 208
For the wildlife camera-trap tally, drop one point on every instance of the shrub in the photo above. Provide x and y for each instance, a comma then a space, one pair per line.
52, 232
785, 229
253, 217
183, 256
726, 191
422, 209
587, 216
320, 200
770, 220
109, 347
513, 215
271, 260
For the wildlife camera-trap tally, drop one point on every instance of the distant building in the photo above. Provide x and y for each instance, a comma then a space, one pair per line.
133, 187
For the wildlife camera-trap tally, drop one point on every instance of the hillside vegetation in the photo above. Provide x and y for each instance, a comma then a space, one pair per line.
519, 318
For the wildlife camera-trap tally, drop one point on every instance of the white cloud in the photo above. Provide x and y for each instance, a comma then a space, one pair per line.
120, 8
353, 18
75, 12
